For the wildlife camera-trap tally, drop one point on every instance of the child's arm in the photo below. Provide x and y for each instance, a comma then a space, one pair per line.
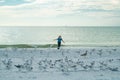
63, 41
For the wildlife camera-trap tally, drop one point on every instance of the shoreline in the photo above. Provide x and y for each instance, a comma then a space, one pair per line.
51, 46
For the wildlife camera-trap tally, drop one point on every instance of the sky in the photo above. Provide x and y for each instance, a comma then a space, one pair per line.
59, 12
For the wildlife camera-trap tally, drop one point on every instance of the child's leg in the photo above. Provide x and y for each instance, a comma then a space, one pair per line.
59, 44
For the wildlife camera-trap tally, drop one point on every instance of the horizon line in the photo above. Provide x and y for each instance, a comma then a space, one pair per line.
57, 26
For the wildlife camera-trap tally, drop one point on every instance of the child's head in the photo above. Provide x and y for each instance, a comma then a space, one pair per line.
59, 36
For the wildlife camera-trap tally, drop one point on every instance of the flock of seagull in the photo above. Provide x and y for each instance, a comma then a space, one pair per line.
66, 64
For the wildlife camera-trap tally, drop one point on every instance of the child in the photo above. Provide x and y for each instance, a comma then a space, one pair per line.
59, 39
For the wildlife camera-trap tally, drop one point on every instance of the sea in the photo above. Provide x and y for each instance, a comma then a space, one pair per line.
72, 35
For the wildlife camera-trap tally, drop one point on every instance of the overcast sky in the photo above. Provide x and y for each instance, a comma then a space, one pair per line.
59, 12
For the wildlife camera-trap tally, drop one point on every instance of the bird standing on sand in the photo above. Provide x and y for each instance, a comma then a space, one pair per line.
85, 54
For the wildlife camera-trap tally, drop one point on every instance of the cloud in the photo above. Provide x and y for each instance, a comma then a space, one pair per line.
66, 6
52, 8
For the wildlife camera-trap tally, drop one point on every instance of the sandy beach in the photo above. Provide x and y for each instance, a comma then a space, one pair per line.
68, 63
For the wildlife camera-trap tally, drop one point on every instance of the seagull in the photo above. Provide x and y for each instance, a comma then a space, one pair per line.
19, 66
85, 54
